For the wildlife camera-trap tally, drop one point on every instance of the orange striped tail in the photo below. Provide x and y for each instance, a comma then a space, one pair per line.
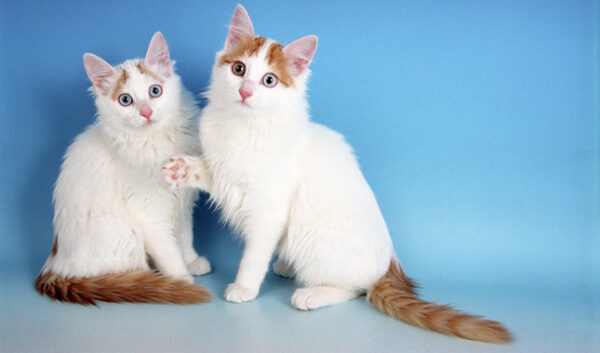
395, 295
127, 287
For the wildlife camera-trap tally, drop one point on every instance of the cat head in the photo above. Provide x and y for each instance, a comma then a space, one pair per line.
137, 94
254, 73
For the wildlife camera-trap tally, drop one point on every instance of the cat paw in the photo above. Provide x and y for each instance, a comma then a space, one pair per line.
302, 300
176, 171
238, 294
282, 269
200, 266
315, 297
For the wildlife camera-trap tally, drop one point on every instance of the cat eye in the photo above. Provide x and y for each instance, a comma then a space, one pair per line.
269, 80
155, 91
125, 99
238, 68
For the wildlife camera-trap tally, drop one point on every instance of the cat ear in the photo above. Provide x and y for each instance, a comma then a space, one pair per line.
158, 54
99, 71
300, 53
240, 30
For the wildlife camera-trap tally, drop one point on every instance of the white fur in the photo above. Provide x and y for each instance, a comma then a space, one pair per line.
112, 207
289, 186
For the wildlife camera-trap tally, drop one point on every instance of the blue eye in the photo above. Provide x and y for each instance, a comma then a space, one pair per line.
269, 80
125, 99
155, 91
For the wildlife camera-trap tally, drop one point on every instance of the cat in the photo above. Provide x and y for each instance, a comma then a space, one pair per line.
112, 208
294, 187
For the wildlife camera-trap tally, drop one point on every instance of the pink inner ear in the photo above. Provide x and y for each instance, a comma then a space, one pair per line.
300, 53
99, 71
240, 30
158, 54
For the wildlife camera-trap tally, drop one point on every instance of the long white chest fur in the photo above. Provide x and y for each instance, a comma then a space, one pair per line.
253, 165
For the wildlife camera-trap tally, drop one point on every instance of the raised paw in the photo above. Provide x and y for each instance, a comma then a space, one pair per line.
200, 266
238, 294
282, 269
176, 171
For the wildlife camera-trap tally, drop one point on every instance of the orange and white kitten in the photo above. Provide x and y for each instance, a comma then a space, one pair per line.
294, 187
111, 207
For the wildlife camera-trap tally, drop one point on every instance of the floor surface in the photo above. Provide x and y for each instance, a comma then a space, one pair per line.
542, 321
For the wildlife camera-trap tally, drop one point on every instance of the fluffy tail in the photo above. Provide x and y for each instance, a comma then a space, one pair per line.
129, 287
395, 295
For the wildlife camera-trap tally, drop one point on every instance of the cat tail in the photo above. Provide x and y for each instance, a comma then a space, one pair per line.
395, 295
127, 287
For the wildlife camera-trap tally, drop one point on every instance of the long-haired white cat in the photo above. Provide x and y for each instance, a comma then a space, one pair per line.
112, 208
294, 187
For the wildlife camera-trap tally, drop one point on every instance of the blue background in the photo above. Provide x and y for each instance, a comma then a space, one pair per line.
475, 122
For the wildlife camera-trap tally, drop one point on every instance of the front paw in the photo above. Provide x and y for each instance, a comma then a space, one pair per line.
200, 266
238, 294
176, 171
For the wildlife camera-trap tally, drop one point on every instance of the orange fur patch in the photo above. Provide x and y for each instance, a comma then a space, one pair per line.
120, 82
275, 57
146, 71
129, 287
248, 47
394, 295
54, 246
278, 61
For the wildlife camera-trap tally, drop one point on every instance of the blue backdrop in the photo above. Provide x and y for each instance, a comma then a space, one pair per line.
475, 122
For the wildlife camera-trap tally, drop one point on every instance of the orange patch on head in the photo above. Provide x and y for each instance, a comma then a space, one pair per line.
279, 62
120, 82
275, 57
146, 71
249, 47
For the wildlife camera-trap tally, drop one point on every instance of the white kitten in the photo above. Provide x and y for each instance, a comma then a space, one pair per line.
294, 187
112, 207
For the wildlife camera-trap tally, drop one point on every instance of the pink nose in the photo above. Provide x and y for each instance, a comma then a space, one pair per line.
146, 112
245, 94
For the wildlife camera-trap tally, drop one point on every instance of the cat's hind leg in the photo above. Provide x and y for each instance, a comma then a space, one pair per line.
311, 298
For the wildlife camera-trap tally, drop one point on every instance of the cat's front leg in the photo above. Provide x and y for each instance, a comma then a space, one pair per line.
198, 265
258, 251
166, 254
188, 171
